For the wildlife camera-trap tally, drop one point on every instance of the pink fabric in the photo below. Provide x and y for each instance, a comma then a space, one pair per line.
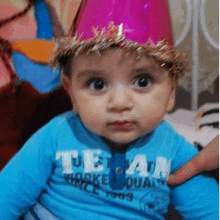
142, 19
21, 28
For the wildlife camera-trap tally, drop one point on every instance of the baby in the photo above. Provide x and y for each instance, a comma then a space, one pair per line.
110, 156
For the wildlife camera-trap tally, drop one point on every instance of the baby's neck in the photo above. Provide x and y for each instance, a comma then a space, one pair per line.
117, 147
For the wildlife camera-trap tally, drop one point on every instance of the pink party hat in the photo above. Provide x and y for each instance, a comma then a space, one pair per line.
142, 20
139, 26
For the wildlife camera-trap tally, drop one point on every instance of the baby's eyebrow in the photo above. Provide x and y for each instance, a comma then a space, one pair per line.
145, 69
140, 69
89, 73
148, 67
150, 71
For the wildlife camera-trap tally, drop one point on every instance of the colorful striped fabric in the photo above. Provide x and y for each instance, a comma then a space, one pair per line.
38, 212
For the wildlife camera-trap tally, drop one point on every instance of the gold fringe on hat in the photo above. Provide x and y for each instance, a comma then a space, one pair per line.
165, 54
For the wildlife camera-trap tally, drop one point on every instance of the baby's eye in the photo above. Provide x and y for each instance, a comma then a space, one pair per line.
97, 84
143, 82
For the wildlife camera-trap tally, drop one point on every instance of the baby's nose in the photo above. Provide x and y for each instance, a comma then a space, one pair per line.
120, 98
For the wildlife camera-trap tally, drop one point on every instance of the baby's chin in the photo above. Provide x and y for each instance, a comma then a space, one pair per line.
115, 139
120, 144
118, 139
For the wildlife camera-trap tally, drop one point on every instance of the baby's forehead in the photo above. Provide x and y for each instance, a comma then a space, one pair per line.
116, 64
114, 56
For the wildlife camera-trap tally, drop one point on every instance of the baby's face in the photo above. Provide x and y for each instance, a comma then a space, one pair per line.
117, 96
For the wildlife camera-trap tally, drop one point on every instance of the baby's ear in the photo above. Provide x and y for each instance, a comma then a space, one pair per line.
171, 101
66, 83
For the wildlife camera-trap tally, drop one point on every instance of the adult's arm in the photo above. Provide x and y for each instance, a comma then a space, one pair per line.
206, 160
197, 198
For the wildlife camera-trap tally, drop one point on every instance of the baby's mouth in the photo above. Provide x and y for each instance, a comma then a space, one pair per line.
122, 125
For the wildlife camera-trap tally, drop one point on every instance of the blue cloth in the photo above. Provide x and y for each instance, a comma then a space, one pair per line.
72, 173
43, 19
41, 76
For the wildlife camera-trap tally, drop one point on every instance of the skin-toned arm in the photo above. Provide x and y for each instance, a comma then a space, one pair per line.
206, 160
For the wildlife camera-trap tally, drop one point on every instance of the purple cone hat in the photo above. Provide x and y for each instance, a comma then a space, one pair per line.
139, 26
141, 19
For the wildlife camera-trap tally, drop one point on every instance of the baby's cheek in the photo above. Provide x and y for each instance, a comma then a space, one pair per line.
92, 120
100, 103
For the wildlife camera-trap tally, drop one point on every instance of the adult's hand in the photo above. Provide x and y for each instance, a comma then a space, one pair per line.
206, 160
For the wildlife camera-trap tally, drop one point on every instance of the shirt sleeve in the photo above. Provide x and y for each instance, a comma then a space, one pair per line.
25, 176
198, 198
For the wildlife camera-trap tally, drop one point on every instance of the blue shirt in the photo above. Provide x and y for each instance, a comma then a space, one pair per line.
74, 174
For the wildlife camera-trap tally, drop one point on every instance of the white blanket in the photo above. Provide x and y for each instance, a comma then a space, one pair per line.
187, 123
